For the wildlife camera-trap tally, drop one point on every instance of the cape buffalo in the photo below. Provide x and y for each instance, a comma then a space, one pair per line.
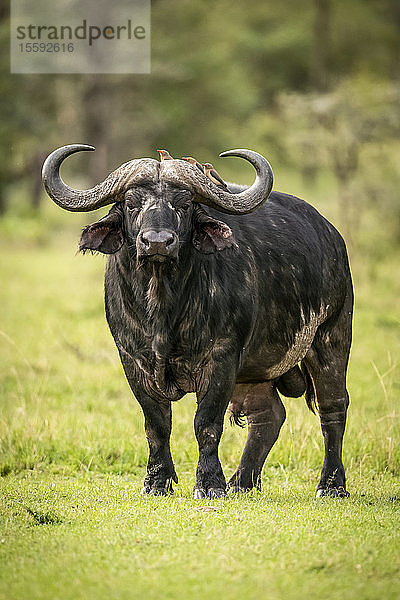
220, 293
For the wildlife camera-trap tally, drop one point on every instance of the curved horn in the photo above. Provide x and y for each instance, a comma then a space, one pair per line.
102, 194
236, 204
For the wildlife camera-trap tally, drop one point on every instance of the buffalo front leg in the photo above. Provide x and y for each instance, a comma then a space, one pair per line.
158, 423
208, 427
160, 468
265, 413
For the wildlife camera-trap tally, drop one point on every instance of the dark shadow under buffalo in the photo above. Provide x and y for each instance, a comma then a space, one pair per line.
224, 301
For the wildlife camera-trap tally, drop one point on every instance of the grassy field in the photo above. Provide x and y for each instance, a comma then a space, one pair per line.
73, 454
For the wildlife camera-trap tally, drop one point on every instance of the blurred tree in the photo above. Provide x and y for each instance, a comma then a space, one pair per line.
320, 60
5, 85
223, 75
26, 108
392, 10
334, 129
97, 103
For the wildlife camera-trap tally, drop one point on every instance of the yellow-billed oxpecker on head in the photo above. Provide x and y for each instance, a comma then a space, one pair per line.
193, 162
165, 155
212, 174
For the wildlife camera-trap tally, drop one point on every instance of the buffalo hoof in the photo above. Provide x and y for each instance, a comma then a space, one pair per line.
155, 491
235, 489
336, 492
216, 493
200, 494
244, 482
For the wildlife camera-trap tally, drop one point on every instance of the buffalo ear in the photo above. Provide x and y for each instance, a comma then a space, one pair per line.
211, 235
104, 236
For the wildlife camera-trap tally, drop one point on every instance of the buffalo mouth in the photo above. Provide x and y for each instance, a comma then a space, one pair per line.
160, 258
144, 259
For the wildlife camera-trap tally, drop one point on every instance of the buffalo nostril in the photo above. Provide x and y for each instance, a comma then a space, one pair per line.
158, 242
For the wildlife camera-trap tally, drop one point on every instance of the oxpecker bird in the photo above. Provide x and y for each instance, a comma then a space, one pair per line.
165, 155
193, 162
213, 176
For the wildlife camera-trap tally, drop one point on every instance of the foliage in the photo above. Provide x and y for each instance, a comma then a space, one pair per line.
222, 76
339, 131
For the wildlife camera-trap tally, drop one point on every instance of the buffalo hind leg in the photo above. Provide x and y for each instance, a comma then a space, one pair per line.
326, 362
265, 416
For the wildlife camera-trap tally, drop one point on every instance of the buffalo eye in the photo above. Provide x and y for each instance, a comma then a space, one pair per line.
183, 200
184, 207
132, 200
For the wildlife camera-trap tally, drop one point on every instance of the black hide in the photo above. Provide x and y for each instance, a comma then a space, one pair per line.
229, 316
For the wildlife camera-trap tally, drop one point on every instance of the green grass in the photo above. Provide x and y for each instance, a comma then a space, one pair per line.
108, 541
73, 455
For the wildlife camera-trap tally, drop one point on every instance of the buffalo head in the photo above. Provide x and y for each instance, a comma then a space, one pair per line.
157, 207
